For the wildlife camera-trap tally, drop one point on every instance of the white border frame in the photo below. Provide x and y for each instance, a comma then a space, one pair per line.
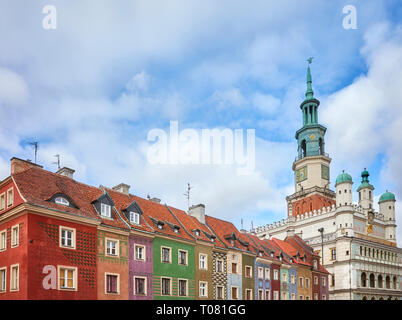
74, 238
117, 247
145, 286
144, 252
118, 283
75, 278
5, 279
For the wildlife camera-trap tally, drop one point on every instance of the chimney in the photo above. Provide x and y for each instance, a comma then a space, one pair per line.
67, 172
122, 187
198, 211
19, 165
156, 200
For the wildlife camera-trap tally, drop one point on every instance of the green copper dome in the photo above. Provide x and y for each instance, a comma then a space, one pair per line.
387, 196
365, 181
343, 177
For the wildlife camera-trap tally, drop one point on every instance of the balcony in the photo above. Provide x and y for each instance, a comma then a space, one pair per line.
312, 153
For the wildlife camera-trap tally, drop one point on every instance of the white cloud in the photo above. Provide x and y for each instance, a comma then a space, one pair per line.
266, 103
13, 88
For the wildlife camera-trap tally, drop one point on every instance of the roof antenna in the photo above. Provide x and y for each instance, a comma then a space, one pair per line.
187, 194
252, 227
241, 221
35, 144
57, 162
148, 197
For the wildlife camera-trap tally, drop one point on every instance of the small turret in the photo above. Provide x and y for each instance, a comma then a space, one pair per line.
387, 208
343, 185
366, 192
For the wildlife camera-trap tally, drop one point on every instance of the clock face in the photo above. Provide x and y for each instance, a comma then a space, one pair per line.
301, 174
324, 172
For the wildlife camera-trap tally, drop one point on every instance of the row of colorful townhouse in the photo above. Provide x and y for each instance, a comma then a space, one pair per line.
62, 239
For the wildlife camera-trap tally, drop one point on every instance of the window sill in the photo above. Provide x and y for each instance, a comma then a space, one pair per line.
67, 247
67, 289
15, 245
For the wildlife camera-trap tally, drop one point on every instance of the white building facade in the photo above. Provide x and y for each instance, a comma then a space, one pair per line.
358, 245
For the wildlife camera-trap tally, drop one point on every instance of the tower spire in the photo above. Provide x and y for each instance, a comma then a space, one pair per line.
309, 92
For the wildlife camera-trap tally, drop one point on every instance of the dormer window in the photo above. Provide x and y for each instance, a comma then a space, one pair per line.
160, 226
176, 230
272, 254
197, 233
62, 201
134, 217
105, 210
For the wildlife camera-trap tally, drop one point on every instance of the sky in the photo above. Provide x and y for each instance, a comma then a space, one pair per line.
93, 88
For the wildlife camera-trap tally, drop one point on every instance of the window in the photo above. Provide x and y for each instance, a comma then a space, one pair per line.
324, 297
315, 296
301, 297
111, 247
15, 275
248, 272
276, 295
267, 294
62, 201
315, 264
249, 294
234, 267
333, 254
260, 294
307, 281
284, 277
182, 257
276, 275
292, 279
333, 280
140, 286
112, 283
166, 283
2, 201
14, 236
293, 296
139, 252
183, 287
67, 278
3, 279
324, 281
10, 197
3, 240
203, 289
315, 280
307, 297
166, 255
260, 273
134, 217
203, 261
105, 210
219, 292
301, 280
219, 266
67, 237
235, 293
267, 274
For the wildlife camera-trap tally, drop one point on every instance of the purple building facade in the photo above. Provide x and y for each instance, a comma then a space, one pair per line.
140, 267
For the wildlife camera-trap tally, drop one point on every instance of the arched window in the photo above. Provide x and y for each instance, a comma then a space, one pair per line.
62, 201
372, 280
381, 298
363, 279
388, 282
304, 148
364, 298
380, 281
394, 283
320, 146
372, 298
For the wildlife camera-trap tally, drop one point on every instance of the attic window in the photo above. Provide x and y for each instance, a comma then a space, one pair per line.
260, 253
62, 201
272, 254
105, 210
134, 217
160, 226
176, 230
197, 233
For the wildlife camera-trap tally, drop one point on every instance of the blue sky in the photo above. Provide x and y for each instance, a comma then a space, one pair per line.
93, 88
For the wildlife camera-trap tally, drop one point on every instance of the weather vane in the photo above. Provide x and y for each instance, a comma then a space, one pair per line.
310, 60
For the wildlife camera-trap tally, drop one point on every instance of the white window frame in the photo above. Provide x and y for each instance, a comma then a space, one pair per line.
251, 294
75, 282
205, 295
170, 254
73, 237
276, 274
62, 201
106, 208
307, 282
284, 277
315, 280
136, 216
15, 238
260, 291
301, 297
170, 287
231, 268
3, 243
10, 200
324, 297
301, 282
237, 292
12, 279
292, 279
118, 283
4, 280
260, 272
178, 257
178, 287
267, 294
267, 272
203, 261
276, 295
143, 252
145, 286
292, 296
248, 274
117, 247
324, 281
315, 296
2, 201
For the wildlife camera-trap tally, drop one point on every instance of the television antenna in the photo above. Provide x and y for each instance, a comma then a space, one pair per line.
187, 194
58, 161
35, 144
